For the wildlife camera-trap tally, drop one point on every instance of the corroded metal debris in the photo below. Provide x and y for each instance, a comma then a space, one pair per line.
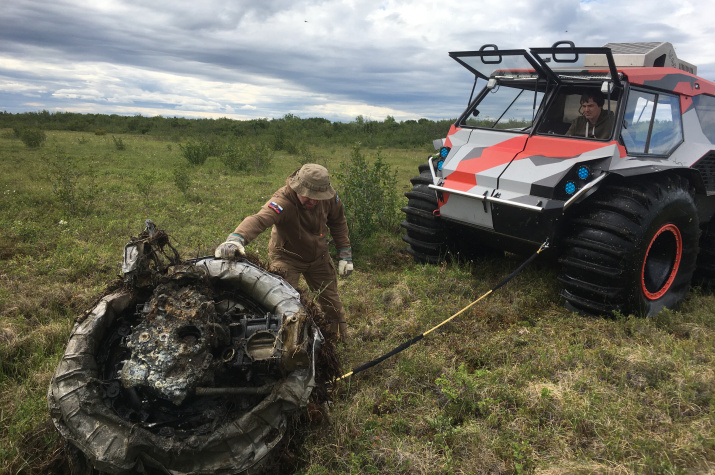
172, 347
193, 367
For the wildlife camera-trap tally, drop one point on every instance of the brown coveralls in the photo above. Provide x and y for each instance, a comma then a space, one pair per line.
299, 244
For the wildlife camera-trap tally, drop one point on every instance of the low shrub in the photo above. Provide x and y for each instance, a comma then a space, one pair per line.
182, 180
33, 138
119, 143
145, 183
74, 188
260, 156
305, 155
369, 194
196, 153
235, 158
256, 158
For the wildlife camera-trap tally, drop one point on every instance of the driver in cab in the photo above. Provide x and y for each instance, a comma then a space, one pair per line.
593, 122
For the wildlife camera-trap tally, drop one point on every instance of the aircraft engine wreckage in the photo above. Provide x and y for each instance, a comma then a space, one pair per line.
192, 367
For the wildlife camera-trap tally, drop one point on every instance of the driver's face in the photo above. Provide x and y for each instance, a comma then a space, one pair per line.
591, 111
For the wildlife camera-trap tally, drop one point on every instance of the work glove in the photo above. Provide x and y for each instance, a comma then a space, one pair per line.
345, 262
232, 248
345, 267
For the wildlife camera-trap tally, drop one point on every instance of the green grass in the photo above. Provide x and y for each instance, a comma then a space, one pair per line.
516, 384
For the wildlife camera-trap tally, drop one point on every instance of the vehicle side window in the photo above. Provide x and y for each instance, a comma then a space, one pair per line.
651, 123
705, 108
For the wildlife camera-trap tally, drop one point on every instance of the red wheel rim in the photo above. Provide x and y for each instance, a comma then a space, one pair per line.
661, 262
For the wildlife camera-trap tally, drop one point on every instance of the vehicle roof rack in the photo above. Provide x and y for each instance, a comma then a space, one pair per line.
646, 54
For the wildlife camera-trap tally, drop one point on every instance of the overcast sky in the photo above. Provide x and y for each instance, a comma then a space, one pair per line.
335, 59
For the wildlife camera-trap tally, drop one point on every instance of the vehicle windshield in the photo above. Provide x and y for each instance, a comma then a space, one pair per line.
517, 82
506, 106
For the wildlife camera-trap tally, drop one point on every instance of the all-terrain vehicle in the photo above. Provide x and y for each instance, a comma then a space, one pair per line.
629, 214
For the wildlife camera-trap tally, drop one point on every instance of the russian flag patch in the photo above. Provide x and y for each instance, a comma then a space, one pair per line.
275, 207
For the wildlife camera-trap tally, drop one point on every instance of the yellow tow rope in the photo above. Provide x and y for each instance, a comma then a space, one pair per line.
414, 340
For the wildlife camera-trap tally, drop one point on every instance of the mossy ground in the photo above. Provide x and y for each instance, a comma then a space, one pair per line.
516, 384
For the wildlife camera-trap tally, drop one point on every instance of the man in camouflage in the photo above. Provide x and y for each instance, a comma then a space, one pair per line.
301, 214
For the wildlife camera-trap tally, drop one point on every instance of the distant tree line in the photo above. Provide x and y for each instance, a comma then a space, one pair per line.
288, 133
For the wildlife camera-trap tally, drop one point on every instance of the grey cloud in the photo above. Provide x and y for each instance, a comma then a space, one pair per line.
340, 52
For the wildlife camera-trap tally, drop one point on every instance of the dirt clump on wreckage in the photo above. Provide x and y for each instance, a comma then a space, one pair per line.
201, 366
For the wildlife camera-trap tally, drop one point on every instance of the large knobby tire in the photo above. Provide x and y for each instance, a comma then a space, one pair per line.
633, 248
424, 231
705, 272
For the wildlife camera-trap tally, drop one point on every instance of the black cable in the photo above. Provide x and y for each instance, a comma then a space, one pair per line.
414, 340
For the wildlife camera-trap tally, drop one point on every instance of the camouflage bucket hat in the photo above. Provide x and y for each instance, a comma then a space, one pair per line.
312, 181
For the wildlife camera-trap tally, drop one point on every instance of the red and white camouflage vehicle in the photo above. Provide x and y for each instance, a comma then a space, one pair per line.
630, 215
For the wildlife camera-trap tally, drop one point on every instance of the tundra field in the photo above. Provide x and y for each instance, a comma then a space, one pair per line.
516, 384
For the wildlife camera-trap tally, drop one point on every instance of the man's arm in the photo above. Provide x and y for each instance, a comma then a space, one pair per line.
271, 213
249, 229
